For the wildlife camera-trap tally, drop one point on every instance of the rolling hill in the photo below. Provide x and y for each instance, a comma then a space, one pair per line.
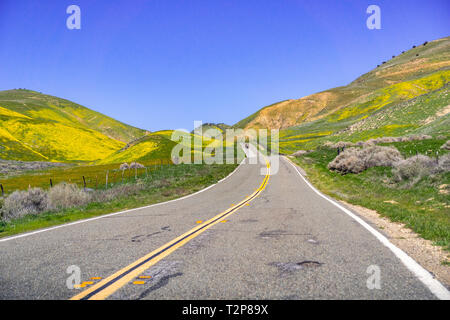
405, 95
154, 146
221, 127
157, 146
39, 127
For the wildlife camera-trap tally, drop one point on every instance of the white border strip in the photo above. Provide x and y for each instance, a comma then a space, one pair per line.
120, 212
423, 275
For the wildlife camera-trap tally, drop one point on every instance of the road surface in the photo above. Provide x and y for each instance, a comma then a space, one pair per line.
250, 236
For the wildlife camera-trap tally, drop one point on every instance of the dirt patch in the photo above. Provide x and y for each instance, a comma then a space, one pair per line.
438, 114
410, 67
444, 189
423, 251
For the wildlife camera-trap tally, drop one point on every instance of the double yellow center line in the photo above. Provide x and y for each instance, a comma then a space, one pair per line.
111, 284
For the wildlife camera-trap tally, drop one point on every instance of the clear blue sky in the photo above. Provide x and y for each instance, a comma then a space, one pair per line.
159, 64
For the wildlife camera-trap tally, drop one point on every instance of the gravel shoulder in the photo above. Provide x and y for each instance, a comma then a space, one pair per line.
429, 256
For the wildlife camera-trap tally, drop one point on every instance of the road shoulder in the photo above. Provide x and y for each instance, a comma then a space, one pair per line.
423, 251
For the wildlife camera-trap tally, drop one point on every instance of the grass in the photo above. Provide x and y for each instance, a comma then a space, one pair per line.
166, 183
421, 207
95, 175
413, 116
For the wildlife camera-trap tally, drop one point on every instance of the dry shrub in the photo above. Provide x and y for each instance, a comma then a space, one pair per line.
301, 153
162, 183
446, 145
376, 156
64, 195
339, 144
356, 160
21, 203
136, 165
117, 192
375, 141
415, 168
444, 163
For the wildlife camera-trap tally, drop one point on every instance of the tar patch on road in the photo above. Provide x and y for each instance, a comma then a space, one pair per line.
289, 267
142, 237
278, 233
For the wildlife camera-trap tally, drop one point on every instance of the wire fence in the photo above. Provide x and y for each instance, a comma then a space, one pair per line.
88, 177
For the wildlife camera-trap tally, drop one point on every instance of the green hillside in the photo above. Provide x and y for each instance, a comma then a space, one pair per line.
405, 95
38, 127
157, 146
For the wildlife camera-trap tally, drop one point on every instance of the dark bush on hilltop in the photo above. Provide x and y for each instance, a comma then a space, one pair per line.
356, 160
21, 203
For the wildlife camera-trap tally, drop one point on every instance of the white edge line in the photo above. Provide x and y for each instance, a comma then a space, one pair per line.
421, 273
120, 212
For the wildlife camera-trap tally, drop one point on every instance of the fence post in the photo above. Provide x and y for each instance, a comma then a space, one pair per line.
51, 183
84, 183
3, 191
107, 171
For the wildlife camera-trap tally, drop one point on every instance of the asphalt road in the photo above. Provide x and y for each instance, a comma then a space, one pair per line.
284, 242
